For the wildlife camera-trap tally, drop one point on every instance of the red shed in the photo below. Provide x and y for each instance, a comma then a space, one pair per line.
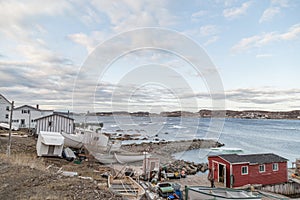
235, 170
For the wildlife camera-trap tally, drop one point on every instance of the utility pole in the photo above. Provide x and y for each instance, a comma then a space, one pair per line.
10, 124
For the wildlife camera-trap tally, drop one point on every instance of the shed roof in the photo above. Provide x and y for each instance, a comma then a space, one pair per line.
51, 138
253, 158
55, 114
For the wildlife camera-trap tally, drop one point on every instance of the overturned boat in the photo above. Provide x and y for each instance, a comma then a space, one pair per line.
201, 192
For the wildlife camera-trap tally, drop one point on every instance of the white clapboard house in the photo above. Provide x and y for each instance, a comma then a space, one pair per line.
24, 116
55, 123
5, 107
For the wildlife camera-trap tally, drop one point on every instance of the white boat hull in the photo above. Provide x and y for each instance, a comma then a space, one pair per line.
200, 192
72, 140
121, 157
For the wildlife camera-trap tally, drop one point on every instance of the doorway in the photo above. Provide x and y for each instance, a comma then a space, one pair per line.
23, 123
221, 173
51, 150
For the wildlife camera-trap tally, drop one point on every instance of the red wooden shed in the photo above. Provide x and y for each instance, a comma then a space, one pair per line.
235, 170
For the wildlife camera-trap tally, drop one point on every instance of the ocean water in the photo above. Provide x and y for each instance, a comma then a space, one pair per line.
281, 137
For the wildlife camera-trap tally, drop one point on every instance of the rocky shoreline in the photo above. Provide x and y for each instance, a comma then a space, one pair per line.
164, 150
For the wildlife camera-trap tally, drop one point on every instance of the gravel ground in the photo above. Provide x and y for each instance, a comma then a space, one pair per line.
25, 176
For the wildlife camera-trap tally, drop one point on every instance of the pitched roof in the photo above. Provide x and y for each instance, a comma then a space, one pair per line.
253, 158
3, 97
53, 115
31, 107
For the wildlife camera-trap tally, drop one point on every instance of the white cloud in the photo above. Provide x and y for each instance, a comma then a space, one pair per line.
13, 14
126, 14
199, 14
89, 41
208, 30
281, 3
263, 55
17, 23
266, 38
273, 10
269, 13
211, 40
231, 13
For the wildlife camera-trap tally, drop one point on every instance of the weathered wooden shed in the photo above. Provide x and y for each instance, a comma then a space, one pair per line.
55, 123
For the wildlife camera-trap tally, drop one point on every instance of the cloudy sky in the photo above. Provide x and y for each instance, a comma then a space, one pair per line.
51, 52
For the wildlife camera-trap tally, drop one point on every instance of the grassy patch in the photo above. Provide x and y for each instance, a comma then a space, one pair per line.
24, 159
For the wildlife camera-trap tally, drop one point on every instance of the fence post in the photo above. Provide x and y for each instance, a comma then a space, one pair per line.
10, 124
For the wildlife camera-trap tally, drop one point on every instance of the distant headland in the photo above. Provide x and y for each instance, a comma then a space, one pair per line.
246, 114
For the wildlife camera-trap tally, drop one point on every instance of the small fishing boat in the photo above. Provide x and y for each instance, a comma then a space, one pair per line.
73, 140
226, 150
6, 126
126, 187
81, 136
120, 157
201, 192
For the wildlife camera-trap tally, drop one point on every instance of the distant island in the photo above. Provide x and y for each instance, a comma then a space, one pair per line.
246, 114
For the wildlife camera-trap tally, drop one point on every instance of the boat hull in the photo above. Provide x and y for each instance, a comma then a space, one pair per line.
120, 157
200, 192
72, 140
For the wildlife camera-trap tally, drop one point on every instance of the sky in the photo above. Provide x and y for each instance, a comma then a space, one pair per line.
104, 55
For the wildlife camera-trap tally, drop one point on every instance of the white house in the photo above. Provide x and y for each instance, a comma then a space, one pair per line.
5, 106
54, 123
24, 116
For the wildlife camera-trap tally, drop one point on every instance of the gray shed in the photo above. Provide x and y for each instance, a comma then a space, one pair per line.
55, 123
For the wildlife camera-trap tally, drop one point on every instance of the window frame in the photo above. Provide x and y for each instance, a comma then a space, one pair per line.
277, 166
244, 167
262, 165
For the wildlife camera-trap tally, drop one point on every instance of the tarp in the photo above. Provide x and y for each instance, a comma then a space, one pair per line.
51, 138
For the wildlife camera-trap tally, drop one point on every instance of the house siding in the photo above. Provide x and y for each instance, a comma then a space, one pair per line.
58, 123
269, 176
4, 103
239, 179
28, 118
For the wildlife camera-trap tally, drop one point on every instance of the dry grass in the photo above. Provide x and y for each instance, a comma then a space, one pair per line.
24, 159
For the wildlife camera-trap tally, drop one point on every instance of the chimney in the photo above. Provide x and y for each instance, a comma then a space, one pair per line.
37, 106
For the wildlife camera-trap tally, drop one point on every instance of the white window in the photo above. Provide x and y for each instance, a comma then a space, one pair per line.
6, 116
275, 166
262, 168
244, 170
7, 108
